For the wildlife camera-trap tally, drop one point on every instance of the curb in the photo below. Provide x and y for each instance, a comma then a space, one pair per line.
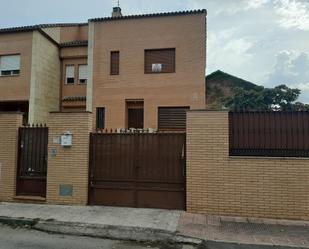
232, 245
130, 234
102, 231
115, 232
18, 222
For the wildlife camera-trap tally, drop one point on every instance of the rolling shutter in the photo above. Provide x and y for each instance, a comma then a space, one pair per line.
172, 118
70, 74
10, 63
160, 61
115, 63
70, 71
82, 73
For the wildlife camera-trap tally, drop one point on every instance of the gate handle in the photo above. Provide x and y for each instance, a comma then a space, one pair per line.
183, 152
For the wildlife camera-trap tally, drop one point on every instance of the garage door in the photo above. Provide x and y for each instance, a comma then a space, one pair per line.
137, 170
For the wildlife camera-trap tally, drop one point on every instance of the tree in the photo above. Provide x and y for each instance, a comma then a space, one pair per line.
265, 99
283, 97
298, 106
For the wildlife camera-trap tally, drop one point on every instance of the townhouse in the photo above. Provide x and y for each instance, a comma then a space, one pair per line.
140, 71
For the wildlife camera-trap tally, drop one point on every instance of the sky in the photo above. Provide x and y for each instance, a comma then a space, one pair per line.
263, 41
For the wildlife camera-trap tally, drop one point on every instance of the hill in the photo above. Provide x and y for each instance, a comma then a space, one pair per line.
220, 85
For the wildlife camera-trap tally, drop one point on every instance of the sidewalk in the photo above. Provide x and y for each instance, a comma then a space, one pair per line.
245, 231
106, 222
157, 225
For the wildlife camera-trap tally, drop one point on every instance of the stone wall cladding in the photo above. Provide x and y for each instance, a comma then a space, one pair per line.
70, 165
45, 79
90, 54
9, 124
53, 32
240, 186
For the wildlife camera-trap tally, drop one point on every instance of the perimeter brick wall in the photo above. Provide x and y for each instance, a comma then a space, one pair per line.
9, 124
240, 186
69, 166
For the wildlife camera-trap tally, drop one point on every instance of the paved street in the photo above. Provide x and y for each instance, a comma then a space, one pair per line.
141, 224
31, 239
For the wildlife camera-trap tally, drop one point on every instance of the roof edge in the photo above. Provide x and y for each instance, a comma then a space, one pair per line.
100, 19
39, 26
176, 13
81, 43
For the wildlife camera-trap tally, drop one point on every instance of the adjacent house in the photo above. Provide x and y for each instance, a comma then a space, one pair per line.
140, 71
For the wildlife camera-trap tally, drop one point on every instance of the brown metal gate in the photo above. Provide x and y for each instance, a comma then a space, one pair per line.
32, 161
137, 170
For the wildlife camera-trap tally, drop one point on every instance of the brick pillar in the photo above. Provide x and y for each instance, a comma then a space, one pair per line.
207, 152
67, 178
9, 124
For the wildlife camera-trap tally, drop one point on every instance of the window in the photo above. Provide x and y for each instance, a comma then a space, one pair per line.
9, 65
100, 117
114, 62
172, 118
160, 61
82, 74
69, 74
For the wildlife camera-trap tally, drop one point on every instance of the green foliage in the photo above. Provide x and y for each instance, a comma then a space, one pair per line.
265, 99
220, 85
225, 90
228, 80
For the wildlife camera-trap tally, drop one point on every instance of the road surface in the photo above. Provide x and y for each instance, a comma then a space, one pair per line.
21, 238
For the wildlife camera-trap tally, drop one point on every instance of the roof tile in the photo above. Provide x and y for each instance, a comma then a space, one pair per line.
42, 26
74, 43
39, 26
74, 98
177, 13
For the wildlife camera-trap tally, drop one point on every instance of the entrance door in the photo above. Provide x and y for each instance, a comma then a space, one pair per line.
135, 111
32, 161
136, 118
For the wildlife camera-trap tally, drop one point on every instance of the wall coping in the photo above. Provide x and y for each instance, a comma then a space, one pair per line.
205, 110
17, 112
77, 112
266, 157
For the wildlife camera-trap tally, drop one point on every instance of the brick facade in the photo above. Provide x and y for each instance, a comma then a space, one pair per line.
73, 90
74, 33
185, 87
240, 186
45, 49
16, 88
69, 166
9, 123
